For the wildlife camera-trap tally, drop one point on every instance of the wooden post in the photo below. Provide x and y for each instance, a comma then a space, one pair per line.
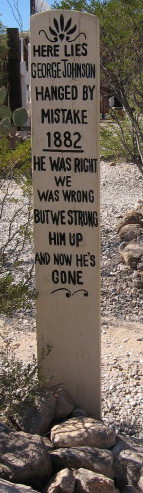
32, 7
65, 148
13, 67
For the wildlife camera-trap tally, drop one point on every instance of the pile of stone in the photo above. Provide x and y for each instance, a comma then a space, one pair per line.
130, 230
60, 449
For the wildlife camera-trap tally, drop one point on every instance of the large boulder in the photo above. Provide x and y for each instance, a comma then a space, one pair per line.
135, 216
36, 417
64, 403
24, 458
127, 443
50, 405
130, 232
94, 459
132, 465
7, 487
81, 431
91, 482
63, 482
131, 253
128, 461
130, 229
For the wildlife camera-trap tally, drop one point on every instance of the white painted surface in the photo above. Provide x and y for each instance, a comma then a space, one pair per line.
67, 43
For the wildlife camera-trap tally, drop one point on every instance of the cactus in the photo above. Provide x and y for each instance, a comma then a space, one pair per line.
3, 93
19, 117
5, 112
5, 126
9, 122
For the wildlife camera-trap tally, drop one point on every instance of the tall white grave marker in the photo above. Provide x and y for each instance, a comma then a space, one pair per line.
65, 145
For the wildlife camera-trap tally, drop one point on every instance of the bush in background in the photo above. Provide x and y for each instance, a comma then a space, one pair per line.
19, 383
117, 139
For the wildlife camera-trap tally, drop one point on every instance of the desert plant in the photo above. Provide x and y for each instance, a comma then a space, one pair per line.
15, 163
10, 122
15, 209
19, 383
16, 287
14, 295
5, 111
118, 141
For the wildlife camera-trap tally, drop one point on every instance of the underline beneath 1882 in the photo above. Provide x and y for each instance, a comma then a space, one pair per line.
63, 150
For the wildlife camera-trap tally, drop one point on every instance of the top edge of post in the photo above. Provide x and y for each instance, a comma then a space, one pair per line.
71, 12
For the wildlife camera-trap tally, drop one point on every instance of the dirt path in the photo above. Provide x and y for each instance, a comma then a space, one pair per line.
118, 338
121, 368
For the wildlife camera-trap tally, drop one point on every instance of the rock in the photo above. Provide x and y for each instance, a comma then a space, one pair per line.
131, 253
24, 458
77, 411
128, 461
135, 216
96, 460
129, 489
140, 483
64, 403
4, 428
89, 482
138, 283
140, 265
64, 482
127, 442
36, 418
82, 431
7, 487
130, 231
47, 442
132, 464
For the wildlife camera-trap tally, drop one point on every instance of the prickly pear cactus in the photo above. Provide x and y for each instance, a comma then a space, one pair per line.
5, 112
8, 121
5, 126
3, 93
20, 117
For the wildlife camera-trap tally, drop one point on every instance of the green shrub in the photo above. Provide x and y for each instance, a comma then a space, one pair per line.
15, 163
110, 143
16, 222
14, 296
19, 383
118, 140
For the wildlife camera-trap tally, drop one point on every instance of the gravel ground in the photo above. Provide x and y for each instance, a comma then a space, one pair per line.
122, 188
121, 307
